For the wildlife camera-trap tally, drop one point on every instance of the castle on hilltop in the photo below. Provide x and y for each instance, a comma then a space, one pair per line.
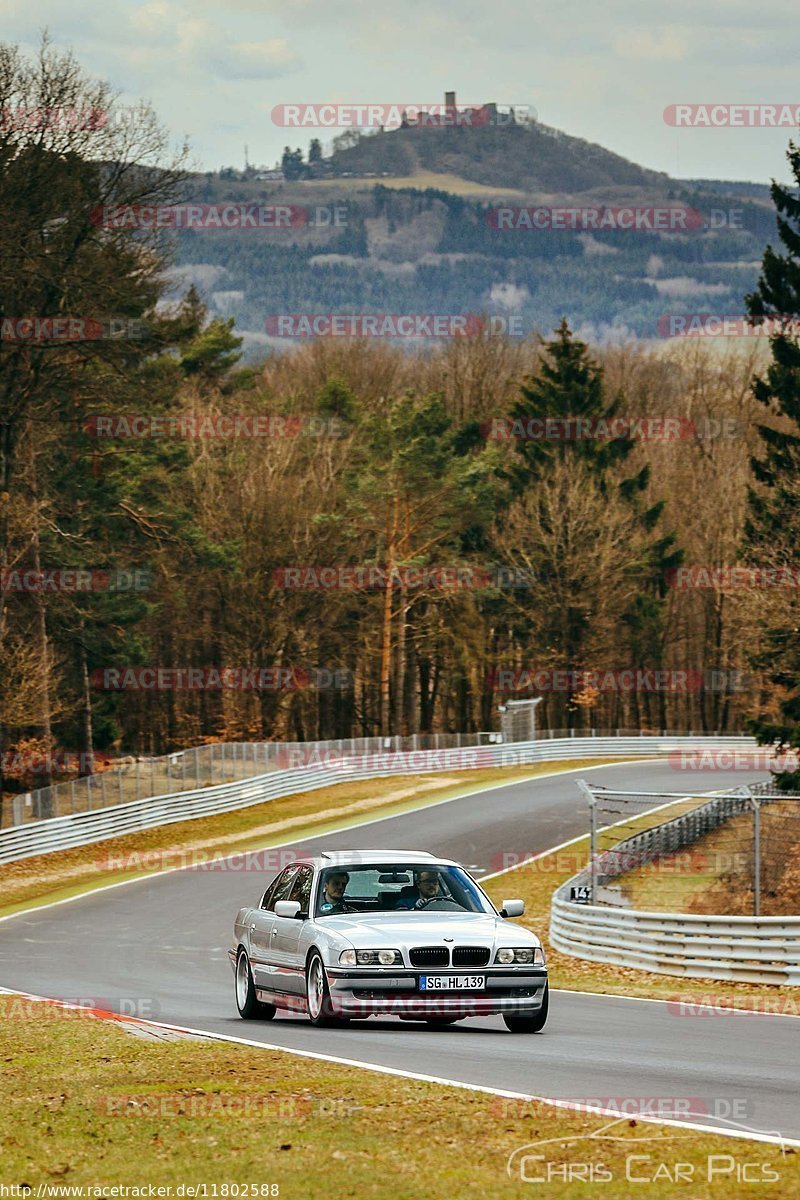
449, 115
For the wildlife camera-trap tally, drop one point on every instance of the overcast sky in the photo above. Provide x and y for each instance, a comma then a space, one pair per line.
605, 71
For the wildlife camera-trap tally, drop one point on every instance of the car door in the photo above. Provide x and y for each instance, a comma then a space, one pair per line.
286, 933
262, 926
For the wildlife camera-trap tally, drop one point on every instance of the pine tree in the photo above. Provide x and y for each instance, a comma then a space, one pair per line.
570, 387
772, 530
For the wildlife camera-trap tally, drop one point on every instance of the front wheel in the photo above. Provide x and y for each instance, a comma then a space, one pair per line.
532, 1024
318, 994
250, 1007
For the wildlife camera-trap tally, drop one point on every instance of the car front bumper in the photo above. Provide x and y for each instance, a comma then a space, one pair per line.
397, 992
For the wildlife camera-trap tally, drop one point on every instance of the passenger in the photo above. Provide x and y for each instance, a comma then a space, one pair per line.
427, 886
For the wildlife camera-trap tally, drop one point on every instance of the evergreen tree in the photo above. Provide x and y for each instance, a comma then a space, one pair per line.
569, 388
292, 164
772, 530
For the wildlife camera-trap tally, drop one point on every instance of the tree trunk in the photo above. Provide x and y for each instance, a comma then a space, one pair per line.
44, 646
86, 713
386, 624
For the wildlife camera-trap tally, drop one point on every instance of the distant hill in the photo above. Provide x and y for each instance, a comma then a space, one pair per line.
526, 156
417, 236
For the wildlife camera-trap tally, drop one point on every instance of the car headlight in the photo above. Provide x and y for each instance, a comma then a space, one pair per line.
371, 958
530, 955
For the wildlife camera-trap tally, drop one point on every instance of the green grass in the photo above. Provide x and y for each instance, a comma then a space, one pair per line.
83, 1104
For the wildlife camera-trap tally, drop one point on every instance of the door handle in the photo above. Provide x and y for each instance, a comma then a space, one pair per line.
252, 928
273, 933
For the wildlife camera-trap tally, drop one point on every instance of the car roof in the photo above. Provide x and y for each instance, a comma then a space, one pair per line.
378, 858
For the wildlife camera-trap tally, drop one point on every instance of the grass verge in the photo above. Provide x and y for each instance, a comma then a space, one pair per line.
715, 873
67, 873
84, 1105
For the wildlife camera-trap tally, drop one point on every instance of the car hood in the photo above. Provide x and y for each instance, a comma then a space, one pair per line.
421, 929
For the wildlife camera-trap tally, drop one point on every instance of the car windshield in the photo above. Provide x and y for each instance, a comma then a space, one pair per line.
400, 887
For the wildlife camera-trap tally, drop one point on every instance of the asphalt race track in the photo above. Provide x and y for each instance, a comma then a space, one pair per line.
164, 940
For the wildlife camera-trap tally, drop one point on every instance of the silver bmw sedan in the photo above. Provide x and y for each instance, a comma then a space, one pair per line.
353, 934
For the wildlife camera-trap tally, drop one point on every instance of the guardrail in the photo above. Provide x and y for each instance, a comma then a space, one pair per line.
748, 949
77, 829
139, 777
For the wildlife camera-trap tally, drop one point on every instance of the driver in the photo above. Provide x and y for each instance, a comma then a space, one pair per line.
428, 886
332, 901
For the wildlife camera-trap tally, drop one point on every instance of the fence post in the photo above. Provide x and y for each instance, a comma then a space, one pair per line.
587, 791
756, 855
138, 775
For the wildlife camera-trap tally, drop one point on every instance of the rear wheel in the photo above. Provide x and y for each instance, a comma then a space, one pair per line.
533, 1024
250, 1007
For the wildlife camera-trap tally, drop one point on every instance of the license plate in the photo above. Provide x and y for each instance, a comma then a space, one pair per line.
451, 983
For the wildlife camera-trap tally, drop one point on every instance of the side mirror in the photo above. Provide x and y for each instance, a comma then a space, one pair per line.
511, 908
286, 908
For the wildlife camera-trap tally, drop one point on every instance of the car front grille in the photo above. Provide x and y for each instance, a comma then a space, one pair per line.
429, 956
471, 956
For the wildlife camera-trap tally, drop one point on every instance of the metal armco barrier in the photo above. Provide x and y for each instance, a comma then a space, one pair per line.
78, 829
745, 949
